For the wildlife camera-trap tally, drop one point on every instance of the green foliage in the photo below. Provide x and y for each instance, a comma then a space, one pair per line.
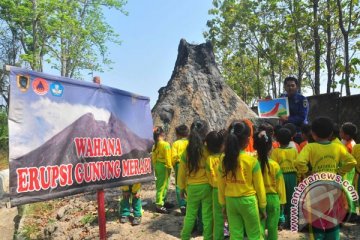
258, 43
88, 218
70, 35
4, 134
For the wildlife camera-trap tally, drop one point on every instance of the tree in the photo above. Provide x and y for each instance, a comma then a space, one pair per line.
346, 23
70, 35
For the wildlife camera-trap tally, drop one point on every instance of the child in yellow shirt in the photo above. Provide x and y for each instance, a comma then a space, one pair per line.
324, 156
178, 148
285, 156
161, 159
194, 182
241, 186
131, 194
273, 181
214, 145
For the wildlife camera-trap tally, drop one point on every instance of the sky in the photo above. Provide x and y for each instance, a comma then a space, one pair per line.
150, 36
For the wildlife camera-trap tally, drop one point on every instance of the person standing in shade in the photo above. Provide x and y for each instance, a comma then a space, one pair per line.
298, 106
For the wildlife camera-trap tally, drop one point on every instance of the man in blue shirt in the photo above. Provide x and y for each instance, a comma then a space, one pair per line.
298, 106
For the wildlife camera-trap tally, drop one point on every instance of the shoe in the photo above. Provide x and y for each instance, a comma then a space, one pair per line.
124, 219
162, 210
136, 221
183, 210
169, 205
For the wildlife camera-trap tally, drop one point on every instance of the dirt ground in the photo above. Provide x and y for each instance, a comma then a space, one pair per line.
66, 220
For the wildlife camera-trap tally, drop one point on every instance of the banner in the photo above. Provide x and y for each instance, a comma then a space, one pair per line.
273, 108
68, 136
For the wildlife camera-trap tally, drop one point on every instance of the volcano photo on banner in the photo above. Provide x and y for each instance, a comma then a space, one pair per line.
68, 136
273, 108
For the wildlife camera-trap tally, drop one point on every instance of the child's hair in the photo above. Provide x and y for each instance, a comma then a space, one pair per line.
267, 127
214, 141
322, 127
306, 130
237, 139
276, 128
283, 136
263, 145
182, 130
291, 127
349, 129
198, 131
156, 134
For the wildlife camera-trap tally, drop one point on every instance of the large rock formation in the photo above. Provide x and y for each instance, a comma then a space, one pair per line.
197, 90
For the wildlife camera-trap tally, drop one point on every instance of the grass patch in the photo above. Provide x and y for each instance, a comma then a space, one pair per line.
88, 218
4, 160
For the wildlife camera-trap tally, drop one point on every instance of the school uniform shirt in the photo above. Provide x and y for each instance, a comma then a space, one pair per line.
212, 166
248, 181
274, 180
162, 153
356, 155
177, 148
325, 157
185, 178
285, 157
134, 188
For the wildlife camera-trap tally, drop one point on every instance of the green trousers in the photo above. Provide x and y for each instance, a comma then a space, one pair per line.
218, 217
125, 206
243, 214
273, 214
349, 176
329, 234
162, 183
181, 202
198, 194
290, 184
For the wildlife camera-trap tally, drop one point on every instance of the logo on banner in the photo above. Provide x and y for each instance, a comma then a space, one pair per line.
56, 89
23, 82
40, 86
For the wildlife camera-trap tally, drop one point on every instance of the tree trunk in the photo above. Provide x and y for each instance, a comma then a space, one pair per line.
345, 34
328, 47
317, 47
34, 64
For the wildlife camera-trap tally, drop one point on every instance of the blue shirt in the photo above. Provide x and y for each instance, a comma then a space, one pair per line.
299, 109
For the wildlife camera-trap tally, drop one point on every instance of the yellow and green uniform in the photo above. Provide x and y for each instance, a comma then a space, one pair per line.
275, 195
199, 193
161, 159
325, 157
135, 201
177, 148
212, 166
285, 157
356, 155
349, 176
243, 196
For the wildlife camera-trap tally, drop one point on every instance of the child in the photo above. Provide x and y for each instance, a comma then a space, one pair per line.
292, 129
274, 183
285, 156
356, 154
348, 132
161, 158
305, 135
178, 147
324, 156
193, 181
131, 193
214, 144
241, 186
269, 129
